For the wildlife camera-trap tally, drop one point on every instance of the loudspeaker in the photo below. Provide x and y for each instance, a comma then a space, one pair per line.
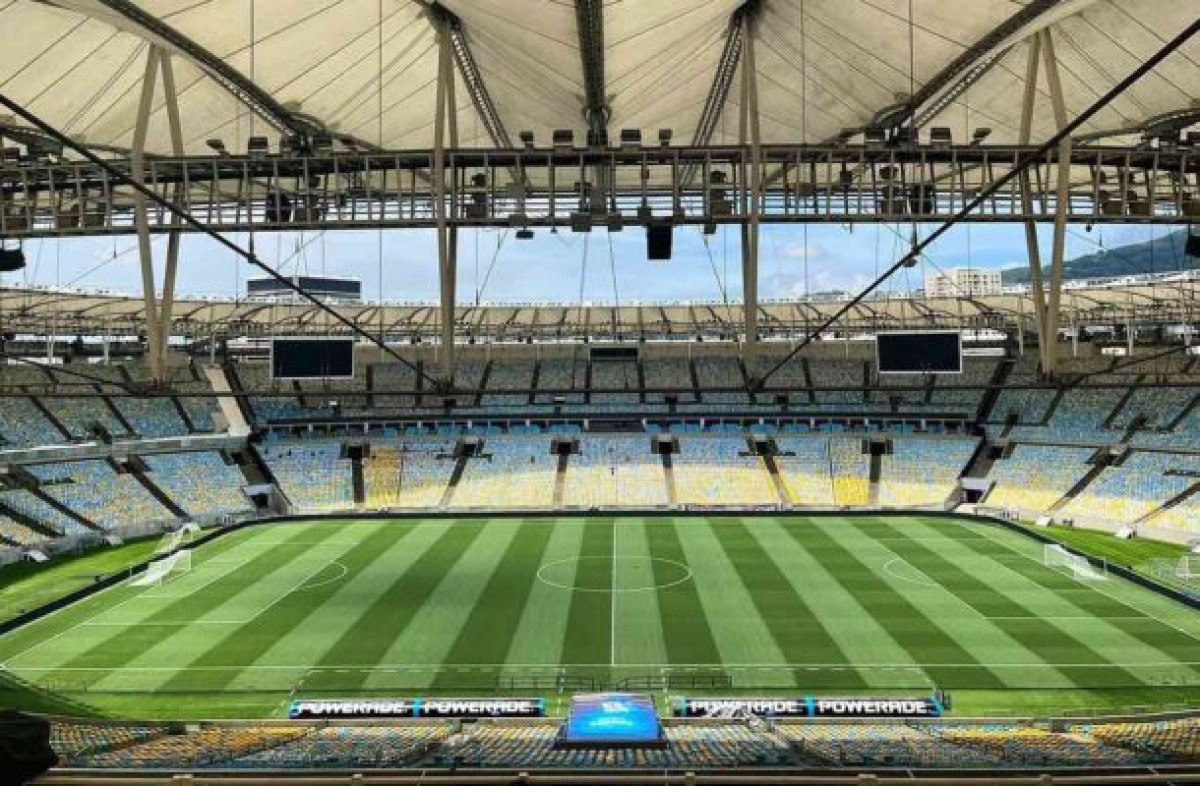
11, 260
25, 750
1192, 247
658, 241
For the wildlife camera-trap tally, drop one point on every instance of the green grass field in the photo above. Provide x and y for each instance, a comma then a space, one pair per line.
891, 604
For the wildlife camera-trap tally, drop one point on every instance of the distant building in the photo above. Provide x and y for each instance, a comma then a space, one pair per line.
330, 289
961, 281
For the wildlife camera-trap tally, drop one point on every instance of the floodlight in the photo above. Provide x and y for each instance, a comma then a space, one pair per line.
563, 139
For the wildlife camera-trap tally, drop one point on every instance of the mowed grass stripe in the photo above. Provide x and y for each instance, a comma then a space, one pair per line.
588, 635
288, 659
1129, 638
180, 646
96, 606
1106, 599
797, 631
114, 645
432, 631
741, 634
491, 626
373, 633
982, 639
979, 581
859, 636
539, 635
639, 621
686, 633
925, 642
248, 642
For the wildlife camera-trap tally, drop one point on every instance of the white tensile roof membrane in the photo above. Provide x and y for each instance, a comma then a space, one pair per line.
367, 68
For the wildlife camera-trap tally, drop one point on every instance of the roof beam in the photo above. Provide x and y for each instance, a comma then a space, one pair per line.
131, 18
718, 92
471, 77
589, 21
975, 61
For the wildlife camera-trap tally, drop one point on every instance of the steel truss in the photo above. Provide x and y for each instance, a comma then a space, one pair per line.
552, 187
1160, 300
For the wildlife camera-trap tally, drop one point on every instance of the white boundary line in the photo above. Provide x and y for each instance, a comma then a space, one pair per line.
555, 667
1100, 589
612, 585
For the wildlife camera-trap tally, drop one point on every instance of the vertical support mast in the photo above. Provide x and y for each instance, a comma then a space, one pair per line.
1037, 288
1062, 201
751, 188
447, 238
167, 301
140, 212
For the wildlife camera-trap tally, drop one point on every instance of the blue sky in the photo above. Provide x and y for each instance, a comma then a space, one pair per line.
551, 266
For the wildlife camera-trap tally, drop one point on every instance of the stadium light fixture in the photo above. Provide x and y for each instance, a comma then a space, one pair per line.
631, 138
563, 140
980, 134
664, 137
217, 146
526, 138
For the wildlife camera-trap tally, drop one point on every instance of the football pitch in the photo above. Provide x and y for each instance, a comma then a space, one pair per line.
874, 605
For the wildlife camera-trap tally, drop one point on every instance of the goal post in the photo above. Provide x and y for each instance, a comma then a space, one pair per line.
160, 571
173, 540
1188, 569
1058, 557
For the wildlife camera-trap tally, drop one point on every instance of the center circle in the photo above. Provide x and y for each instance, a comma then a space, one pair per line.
633, 574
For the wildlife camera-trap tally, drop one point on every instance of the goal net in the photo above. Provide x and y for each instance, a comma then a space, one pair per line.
173, 540
1060, 559
1188, 569
158, 572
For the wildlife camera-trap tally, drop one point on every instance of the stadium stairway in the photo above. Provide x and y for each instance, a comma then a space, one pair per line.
1098, 466
460, 466
781, 491
875, 470
66, 511
28, 522
1184, 413
988, 402
808, 383
1170, 503
1050, 410
1121, 404
231, 406
355, 454
560, 477
50, 416
181, 410
138, 469
669, 474
117, 414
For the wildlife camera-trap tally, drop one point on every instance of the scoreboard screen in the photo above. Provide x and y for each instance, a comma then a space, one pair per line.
312, 358
928, 352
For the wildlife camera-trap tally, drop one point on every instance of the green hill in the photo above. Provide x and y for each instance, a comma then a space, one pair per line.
1163, 254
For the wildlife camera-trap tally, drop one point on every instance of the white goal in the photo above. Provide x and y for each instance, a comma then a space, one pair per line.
1059, 558
1188, 569
180, 537
160, 571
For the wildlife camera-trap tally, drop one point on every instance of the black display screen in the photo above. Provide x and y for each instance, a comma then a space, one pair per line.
307, 358
934, 352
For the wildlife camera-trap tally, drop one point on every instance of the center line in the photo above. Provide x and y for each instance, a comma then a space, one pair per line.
612, 636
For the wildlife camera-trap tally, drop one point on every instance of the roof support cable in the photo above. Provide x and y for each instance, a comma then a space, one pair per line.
999, 183
185, 216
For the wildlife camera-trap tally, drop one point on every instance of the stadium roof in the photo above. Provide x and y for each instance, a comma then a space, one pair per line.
265, 67
63, 311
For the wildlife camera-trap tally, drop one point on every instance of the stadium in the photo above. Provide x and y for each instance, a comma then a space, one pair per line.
586, 391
